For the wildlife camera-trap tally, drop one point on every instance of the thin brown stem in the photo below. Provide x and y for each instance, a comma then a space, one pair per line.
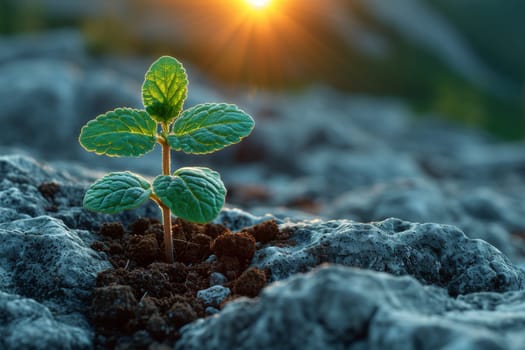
168, 244
166, 213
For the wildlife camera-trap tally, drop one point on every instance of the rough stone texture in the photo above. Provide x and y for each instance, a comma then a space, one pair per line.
337, 307
48, 262
435, 254
39, 241
236, 219
20, 197
217, 279
481, 212
47, 270
214, 295
27, 324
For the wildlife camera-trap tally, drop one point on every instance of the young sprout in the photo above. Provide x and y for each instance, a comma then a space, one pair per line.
195, 194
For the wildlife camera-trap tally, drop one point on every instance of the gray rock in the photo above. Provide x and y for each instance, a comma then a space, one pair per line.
283, 214
487, 205
345, 170
486, 163
236, 219
480, 212
26, 324
43, 236
348, 123
434, 254
211, 310
47, 268
336, 307
217, 278
49, 262
495, 234
214, 295
418, 200
20, 197
39, 90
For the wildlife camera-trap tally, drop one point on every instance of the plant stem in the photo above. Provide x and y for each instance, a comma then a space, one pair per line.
166, 213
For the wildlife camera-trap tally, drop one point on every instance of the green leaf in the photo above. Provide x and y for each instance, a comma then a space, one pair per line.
164, 90
116, 192
209, 127
122, 132
194, 194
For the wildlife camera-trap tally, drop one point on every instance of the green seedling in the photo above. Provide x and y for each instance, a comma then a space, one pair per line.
195, 194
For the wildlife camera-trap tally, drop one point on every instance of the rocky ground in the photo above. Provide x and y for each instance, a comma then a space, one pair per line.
396, 232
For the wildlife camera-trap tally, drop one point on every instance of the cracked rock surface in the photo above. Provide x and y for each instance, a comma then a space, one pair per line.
435, 254
336, 307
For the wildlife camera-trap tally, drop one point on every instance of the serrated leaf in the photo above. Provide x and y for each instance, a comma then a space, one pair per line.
165, 89
124, 132
209, 127
193, 193
116, 192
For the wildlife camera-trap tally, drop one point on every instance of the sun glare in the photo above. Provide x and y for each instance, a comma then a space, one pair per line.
258, 4
259, 42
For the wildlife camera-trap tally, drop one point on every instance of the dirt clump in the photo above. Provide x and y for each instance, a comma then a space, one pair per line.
264, 232
113, 305
48, 191
234, 252
112, 229
142, 301
250, 282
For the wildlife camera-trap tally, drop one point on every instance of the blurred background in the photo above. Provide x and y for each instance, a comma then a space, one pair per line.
364, 109
463, 60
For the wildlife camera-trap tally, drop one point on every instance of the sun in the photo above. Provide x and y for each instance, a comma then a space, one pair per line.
259, 4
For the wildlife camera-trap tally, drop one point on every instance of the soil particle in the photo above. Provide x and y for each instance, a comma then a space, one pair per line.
264, 232
250, 282
192, 242
144, 249
113, 305
180, 314
142, 301
48, 191
157, 326
141, 225
234, 252
239, 245
112, 229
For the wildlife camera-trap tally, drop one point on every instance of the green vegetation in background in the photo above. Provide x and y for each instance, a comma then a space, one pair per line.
7, 18
430, 85
21, 17
408, 71
495, 29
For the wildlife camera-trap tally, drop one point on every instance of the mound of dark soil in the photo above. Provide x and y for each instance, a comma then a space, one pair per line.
142, 302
